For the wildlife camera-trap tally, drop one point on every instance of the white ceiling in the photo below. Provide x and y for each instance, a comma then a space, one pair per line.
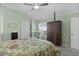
45, 12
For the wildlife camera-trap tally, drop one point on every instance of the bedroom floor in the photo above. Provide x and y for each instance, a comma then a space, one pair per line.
65, 51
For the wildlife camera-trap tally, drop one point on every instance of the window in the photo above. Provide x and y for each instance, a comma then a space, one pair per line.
42, 27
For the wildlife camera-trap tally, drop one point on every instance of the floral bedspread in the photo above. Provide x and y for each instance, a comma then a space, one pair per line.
28, 48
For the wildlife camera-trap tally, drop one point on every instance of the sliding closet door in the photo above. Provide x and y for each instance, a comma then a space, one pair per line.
25, 29
0, 30
75, 33
1, 23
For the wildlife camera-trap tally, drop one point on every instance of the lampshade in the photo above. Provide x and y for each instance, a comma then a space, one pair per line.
36, 7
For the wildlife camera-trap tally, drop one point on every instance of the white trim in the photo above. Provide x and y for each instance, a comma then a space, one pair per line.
65, 45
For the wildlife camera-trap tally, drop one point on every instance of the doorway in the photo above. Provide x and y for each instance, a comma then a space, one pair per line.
75, 33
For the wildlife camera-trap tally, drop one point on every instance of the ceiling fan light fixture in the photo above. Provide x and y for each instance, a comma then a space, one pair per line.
36, 7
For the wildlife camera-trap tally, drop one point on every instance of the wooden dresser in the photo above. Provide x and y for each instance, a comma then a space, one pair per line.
54, 32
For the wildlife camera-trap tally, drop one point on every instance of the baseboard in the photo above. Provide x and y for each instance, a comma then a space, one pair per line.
65, 45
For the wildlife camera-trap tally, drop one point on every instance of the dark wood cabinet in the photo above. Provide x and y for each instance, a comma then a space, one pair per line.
54, 32
14, 35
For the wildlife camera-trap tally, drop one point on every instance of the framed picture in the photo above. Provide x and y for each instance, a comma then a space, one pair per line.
12, 25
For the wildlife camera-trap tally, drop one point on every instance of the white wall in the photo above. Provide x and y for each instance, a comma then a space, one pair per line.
25, 29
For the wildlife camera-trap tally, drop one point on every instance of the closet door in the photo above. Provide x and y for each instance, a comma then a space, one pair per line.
25, 29
0, 31
75, 33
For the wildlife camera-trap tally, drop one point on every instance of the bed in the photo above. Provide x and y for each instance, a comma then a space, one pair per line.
28, 48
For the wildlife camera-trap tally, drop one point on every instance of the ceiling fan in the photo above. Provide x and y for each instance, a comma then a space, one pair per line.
36, 6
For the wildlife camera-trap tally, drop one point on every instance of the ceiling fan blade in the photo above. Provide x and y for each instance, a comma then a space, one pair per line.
29, 4
44, 4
